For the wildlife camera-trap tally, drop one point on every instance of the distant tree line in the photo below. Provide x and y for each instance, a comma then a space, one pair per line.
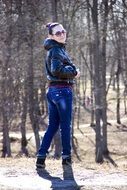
97, 42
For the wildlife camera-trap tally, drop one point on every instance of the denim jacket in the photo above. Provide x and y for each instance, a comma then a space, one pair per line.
59, 67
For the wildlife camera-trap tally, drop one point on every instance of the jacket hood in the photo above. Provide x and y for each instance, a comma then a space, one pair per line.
49, 43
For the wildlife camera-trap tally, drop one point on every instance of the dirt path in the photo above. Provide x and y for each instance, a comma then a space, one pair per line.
20, 174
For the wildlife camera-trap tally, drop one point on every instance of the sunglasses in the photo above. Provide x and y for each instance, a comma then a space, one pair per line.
59, 33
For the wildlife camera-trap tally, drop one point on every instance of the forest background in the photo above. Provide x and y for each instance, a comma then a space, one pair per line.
97, 43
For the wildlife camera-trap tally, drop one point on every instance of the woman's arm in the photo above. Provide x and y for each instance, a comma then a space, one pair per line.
59, 68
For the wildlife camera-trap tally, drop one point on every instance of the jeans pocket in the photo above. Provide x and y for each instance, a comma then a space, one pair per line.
67, 92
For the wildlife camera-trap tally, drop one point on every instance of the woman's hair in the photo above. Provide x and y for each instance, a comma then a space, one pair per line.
50, 26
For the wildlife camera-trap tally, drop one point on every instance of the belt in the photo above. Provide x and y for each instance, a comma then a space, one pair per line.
60, 84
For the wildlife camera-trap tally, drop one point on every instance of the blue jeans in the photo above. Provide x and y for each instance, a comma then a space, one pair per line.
60, 113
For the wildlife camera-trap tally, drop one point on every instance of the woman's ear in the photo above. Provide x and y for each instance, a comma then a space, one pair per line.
50, 36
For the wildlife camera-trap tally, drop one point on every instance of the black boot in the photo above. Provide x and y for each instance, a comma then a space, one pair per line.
67, 161
40, 163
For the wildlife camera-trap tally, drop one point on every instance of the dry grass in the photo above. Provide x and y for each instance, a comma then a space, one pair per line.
85, 143
85, 148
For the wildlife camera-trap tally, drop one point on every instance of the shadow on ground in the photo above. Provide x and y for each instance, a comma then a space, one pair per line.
67, 182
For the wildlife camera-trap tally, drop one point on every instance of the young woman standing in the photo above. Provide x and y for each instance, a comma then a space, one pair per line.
61, 73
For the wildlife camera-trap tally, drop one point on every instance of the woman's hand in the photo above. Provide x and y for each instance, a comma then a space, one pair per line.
78, 73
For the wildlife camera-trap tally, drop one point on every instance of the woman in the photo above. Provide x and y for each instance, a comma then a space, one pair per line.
60, 74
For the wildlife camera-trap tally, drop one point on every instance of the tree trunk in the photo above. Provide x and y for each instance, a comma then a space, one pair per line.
91, 66
5, 105
21, 26
23, 123
103, 63
97, 82
118, 72
6, 151
7, 83
118, 93
30, 73
54, 10
32, 113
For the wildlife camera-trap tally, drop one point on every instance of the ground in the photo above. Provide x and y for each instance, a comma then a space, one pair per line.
19, 173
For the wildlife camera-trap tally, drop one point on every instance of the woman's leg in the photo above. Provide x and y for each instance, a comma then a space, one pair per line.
64, 106
53, 126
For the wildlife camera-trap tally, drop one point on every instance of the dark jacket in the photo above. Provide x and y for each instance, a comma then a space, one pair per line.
59, 67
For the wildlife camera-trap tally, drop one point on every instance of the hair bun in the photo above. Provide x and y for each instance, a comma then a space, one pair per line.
50, 26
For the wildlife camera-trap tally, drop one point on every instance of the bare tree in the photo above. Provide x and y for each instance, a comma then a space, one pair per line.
105, 13
97, 81
7, 82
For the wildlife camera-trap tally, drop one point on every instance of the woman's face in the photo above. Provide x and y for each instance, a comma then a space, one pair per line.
59, 34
